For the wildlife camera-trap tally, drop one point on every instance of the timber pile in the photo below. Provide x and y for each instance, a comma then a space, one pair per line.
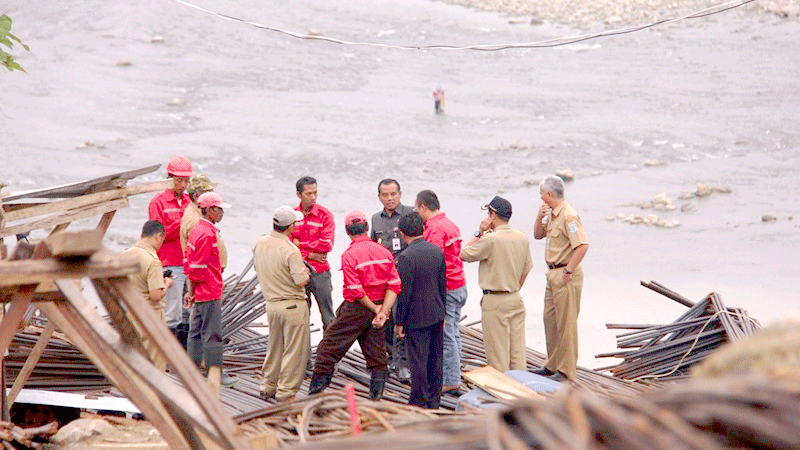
722, 414
667, 351
12, 436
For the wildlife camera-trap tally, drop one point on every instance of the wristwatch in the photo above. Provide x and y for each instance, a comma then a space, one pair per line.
478, 234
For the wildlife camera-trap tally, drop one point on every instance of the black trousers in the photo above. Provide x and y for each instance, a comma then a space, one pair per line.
425, 347
352, 323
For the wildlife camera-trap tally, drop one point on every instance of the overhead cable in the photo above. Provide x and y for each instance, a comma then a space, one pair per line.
566, 40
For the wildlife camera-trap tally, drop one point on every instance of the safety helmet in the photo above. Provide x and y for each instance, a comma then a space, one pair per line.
179, 166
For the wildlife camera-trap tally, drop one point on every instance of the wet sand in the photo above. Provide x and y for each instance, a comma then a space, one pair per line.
715, 99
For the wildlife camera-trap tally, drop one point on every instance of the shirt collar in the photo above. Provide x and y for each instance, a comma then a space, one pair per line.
360, 239
399, 210
145, 246
279, 235
437, 217
203, 219
503, 226
557, 210
314, 211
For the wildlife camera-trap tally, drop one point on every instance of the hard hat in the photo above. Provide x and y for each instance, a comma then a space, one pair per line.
211, 199
179, 166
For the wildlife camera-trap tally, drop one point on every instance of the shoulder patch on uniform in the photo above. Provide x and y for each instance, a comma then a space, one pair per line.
572, 226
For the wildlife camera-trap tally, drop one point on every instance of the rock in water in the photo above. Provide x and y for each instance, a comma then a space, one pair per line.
157, 39
565, 174
768, 218
702, 190
176, 102
124, 63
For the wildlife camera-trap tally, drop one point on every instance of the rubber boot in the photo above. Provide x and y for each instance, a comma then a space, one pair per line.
376, 384
319, 382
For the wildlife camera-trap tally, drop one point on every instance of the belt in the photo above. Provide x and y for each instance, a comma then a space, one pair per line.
486, 291
556, 266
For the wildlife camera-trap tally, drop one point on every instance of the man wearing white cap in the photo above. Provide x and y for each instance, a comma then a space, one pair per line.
283, 277
204, 271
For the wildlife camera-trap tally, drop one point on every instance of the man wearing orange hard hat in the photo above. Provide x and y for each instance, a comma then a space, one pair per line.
168, 207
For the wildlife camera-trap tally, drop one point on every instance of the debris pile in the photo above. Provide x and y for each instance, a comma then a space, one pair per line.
667, 351
12, 436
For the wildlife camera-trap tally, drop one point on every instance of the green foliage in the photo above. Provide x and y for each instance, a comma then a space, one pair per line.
6, 39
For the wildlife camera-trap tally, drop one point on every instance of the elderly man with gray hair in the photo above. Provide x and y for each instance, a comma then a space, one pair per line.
567, 244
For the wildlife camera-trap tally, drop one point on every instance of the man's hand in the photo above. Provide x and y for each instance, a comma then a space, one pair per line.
380, 319
486, 224
399, 332
296, 241
544, 210
320, 257
168, 282
188, 300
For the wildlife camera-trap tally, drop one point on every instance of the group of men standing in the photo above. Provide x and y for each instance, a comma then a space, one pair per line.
404, 284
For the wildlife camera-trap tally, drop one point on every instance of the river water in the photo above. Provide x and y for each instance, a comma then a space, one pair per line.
715, 99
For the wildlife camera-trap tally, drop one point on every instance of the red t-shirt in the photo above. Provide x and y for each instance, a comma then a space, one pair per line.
202, 262
368, 270
168, 210
443, 233
315, 234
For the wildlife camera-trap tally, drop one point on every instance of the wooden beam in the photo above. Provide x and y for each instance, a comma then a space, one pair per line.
105, 221
86, 200
14, 315
100, 265
30, 363
75, 244
97, 350
79, 188
66, 217
181, 365
148, 376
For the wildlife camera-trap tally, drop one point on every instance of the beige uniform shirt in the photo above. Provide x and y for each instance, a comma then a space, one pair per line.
190, 218
279, 266
151, 274
564, 233
505, 256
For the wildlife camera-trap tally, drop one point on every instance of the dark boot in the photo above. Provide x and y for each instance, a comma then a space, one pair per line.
183, 334
319, 382
376, 384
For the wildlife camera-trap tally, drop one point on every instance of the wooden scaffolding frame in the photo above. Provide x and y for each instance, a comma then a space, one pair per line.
47, 276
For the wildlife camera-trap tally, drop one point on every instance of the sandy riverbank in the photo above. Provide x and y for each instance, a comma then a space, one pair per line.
614, 13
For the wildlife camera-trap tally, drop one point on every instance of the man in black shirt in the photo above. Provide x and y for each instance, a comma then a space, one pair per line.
420, 311
385, 232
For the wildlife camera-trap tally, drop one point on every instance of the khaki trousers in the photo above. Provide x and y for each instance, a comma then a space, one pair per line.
562, 302
153, 353
287, 348
503, 323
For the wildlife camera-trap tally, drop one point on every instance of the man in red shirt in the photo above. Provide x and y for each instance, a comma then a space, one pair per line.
371, 286
204, 271
442, 232
314, 237
168, 207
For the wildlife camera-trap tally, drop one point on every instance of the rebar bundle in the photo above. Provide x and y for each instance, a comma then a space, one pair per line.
667, 351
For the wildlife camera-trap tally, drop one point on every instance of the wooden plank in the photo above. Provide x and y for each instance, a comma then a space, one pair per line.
127, 357
499, 384
97, 351
30, 363
13, 317
81, 187
180, 364
87, 200
66, 217
72, 244
100, 265
105, 221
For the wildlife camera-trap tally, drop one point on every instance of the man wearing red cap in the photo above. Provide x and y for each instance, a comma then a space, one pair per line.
371, 286
168, 207
204, 271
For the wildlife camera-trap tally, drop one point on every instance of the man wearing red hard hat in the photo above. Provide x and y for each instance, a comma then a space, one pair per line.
168, 207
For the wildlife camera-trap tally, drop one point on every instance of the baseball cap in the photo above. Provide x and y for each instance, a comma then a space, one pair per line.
211, 199
285, 216
353, 217
500, 206
200, 183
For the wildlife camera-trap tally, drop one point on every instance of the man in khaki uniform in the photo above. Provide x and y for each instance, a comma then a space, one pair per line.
505, 260
567, 244
283, 277
150, 281
198, 185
